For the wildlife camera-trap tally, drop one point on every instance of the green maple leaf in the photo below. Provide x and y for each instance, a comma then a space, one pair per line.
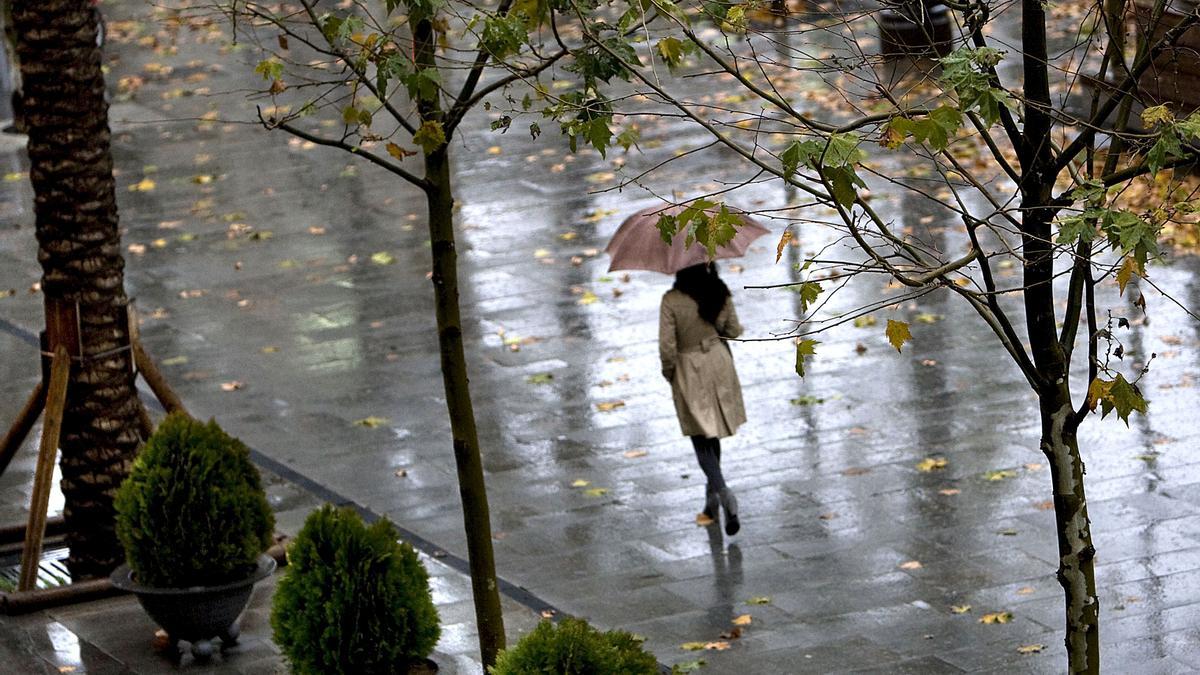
804, 348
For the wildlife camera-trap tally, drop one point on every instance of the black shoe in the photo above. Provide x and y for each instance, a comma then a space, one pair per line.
730, 505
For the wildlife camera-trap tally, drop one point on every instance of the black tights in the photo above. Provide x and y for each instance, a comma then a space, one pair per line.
708, 453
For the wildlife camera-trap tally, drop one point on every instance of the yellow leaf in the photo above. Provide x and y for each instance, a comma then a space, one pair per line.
588, 298
1025, 590
175, 361
960, 609
927, 317
371, 422
14, 176
742, 620
783, 242
568, 236
596, 492
996, 617
1000, 474
692, 646
1126, 272
897, 333
269, 349
494, 150
911, 565
759, 600
1030, 649
634, 454
930, 464
541, 253
144, 185
383, 258
232, 385
579, 482
609, 406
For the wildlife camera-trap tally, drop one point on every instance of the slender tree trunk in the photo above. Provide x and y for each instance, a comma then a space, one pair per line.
462, 414
1076, 569
476, 520
80, 252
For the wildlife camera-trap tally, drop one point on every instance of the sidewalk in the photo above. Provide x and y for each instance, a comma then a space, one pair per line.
116, 636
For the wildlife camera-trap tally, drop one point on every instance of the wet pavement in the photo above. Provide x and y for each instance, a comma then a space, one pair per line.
283, 288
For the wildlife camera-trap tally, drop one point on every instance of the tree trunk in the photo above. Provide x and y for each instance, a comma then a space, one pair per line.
80, 252
1076, 571
476, 520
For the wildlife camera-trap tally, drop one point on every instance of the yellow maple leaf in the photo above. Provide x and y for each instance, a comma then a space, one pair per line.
996, 617
930, 464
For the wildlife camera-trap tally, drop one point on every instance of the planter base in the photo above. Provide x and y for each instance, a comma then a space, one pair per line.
196, 615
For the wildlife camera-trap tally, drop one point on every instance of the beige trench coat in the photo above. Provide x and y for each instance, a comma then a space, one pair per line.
699, 366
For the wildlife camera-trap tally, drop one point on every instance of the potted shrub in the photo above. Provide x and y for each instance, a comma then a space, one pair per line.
354, 600
194, 521
575, 648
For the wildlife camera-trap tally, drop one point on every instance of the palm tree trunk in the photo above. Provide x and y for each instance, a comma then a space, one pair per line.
80, 252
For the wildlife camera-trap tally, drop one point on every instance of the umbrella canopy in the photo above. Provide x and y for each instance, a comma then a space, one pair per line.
638, 244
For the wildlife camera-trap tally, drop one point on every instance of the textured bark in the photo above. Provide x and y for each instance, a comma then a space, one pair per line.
476, 519
80, 252
1076, 569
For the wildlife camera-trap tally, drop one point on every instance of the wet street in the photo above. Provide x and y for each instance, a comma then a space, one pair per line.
283, 288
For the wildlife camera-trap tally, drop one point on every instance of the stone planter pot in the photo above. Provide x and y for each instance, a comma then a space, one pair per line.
198, 614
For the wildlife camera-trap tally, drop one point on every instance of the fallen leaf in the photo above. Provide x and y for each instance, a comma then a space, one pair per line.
743, 620
371, 422
316, 231
855, 471
588, 298
1047, 505
949, 492
716, 645
568, 236
634, 454
911, 565
1030, 649
596, 492
137, 249
1033, 466
541, 253
494, 150
930, 464
996, 617
926, 317
687, 667
1008, 532
807, 400
401, 473
232, 385
579, 482
732, 634
1000, 474
960, 609
692, 646
609, 406
144, 185
383, 258
829, 515
864, 321
269, 349
759, 600
175, 361
540, 378
1025, 590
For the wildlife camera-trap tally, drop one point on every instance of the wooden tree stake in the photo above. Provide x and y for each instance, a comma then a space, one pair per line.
154, 377
20, 428
56, 398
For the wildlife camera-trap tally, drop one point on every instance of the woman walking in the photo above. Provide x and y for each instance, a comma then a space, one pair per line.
695, 314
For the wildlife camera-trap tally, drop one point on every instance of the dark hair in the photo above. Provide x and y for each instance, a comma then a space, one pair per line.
702, 284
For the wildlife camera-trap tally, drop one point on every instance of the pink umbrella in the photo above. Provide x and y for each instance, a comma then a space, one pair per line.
638, 244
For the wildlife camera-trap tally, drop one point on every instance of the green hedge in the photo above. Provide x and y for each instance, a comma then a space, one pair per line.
193, 511
575, 648
353, 601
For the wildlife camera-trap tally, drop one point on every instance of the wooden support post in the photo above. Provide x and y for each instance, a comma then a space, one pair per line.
153, 377
20, 428
56, 398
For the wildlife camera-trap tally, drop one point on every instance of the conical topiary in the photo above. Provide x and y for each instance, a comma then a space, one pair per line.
193, 511
575, 648
353, 601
